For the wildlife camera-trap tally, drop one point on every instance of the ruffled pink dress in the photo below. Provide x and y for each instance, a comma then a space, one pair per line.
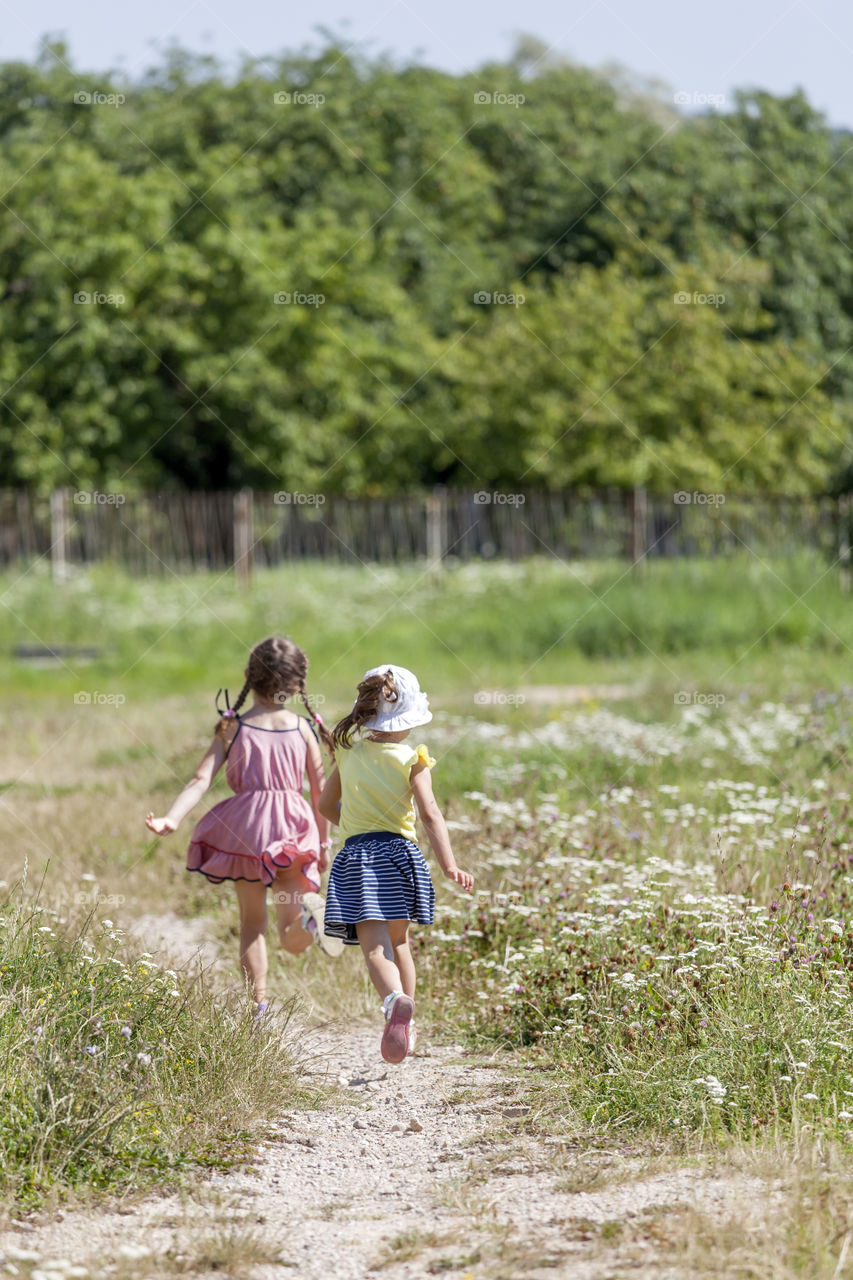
267, 824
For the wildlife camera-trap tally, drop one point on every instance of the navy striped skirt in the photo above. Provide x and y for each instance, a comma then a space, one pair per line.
377, 876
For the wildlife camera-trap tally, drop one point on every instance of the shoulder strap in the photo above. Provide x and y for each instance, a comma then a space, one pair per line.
310, 724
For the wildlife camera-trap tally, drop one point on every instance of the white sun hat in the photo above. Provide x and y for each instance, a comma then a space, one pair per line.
411, 707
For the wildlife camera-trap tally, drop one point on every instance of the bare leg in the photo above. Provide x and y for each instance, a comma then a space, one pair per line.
252, 897
287, 888
378, 950
403, 957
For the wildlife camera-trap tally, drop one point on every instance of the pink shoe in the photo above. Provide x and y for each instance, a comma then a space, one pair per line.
399, 1011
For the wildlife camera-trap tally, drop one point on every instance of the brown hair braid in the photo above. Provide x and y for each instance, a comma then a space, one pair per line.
370, 691
276, 669
325, 737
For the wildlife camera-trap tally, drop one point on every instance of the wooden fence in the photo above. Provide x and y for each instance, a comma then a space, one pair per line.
150, 533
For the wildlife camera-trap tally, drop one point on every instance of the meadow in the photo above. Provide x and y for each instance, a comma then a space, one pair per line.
646, 772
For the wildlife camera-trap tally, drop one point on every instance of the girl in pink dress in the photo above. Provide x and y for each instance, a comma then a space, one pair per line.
267, 834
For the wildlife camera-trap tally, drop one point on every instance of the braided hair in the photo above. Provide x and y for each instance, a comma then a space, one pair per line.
277, 668
370, 691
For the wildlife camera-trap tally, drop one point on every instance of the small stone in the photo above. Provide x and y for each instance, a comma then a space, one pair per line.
343, 1080
415, 1126
511, 1112
359, 1124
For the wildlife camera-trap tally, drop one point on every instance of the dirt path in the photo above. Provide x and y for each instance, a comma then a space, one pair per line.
421, 1170
434, 1167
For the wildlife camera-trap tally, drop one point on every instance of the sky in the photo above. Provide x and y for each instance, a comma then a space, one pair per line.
702, 51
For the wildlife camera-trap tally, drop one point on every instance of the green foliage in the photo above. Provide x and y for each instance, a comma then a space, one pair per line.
398, 198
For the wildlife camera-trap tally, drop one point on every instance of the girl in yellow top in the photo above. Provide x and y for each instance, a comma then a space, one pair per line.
380, 881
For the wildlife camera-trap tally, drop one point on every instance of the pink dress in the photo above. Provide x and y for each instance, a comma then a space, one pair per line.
267, 824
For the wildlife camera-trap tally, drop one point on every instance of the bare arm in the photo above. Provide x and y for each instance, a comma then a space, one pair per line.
435, 826
329, 803
208, 767
316, 780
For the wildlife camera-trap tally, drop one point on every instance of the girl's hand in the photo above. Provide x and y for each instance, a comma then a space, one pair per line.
323, 859
160, 826
462, 878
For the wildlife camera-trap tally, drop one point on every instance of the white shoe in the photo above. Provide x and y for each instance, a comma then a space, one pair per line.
313, 921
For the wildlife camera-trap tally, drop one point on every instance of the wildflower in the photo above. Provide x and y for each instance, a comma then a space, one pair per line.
716, 1090
125, 1031
91, 1050
144, 1059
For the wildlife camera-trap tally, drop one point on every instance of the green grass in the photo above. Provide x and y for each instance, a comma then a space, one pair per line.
677, 945
469, 628
639, 835
117, 1073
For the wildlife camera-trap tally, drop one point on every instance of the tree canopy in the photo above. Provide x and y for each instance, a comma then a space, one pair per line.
331, 272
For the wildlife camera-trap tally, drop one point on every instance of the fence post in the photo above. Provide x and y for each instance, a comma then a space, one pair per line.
843, 518
59, 534
637, 527
243, 537
436, 528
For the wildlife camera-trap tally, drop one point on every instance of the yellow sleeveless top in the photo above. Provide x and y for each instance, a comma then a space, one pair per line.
376, 793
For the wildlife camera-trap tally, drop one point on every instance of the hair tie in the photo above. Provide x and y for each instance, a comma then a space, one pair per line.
318, 717
229, 713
